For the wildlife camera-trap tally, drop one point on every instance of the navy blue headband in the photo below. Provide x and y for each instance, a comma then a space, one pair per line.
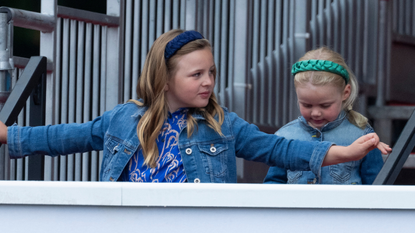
179, 41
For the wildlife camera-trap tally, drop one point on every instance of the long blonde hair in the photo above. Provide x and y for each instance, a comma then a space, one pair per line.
320, 78
154, 77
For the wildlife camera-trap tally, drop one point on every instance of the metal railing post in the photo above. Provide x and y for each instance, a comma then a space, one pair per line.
400, 153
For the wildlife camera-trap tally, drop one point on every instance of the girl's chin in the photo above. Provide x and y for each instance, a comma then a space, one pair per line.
316, 125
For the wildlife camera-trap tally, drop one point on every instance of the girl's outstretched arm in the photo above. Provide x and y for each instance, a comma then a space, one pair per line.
3, 133
357, 150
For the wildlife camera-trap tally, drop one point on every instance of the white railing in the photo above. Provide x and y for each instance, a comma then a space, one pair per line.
119, 207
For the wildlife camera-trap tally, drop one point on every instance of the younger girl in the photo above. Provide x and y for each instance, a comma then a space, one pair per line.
326, 90
177, 131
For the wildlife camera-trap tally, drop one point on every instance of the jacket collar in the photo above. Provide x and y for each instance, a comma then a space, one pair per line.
329, 126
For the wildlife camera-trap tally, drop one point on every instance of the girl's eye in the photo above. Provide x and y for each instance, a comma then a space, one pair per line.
326, 106
307, 105
196, 74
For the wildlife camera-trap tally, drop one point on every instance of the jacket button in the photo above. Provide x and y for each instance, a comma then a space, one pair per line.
213, 149
188, 151
197, 180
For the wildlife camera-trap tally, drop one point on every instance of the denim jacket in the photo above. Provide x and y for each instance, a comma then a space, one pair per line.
342, 133
207, 156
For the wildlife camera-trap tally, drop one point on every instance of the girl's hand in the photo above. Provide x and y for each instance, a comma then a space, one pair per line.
357, 150
3, 133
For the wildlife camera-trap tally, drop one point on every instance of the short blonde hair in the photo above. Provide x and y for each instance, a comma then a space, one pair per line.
320, 78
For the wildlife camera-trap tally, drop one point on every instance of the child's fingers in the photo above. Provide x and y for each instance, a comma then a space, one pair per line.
384, 148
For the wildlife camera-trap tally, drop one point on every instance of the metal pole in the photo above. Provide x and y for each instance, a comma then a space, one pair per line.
5, 66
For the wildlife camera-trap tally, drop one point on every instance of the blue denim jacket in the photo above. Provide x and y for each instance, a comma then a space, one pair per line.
342, 133
207, 156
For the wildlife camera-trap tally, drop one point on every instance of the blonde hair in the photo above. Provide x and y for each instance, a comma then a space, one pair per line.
154, 77
320, 78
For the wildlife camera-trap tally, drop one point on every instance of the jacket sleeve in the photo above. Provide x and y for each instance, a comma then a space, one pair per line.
254, 145
276, 175
371, 165
58, 139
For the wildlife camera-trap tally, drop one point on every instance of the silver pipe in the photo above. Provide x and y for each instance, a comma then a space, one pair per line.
88, 16
4, 55
21, 122
30, 20
27, 123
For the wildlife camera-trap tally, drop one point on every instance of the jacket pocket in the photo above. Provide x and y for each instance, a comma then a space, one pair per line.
113, 145
341, 173
214, 159
293, 176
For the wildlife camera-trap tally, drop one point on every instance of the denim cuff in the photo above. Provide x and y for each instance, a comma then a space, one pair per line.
317, 158
13, 141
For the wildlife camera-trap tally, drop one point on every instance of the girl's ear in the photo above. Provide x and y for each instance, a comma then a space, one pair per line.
166, 87
346, 92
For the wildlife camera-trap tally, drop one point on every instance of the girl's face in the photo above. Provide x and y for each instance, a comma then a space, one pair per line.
320, 105
193, 81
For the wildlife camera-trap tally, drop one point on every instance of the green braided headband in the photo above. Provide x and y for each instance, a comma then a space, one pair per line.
320, 65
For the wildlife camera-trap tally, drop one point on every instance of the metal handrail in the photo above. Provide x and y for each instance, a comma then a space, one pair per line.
27, 82
400, 153
30, 19
88, 16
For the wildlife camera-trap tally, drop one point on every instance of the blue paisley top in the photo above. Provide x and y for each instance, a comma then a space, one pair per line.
169, 163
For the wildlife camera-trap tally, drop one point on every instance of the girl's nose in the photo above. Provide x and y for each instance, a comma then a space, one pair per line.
315, 112
207, 80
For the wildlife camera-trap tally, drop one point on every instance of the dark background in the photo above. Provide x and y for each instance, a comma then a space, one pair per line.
26, 41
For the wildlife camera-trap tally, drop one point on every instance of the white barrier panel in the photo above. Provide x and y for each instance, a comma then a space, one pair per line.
27, 206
